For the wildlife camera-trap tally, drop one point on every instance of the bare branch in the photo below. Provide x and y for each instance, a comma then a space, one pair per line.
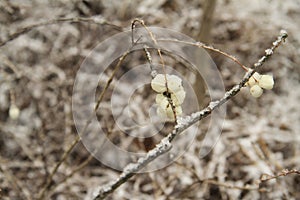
77, 169
117, 67
163, 147
183, 123
94, 20
284, 172
208, 47
77, 139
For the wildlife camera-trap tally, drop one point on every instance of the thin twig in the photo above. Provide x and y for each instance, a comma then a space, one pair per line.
182, 124
208, 47
77, 139
214, 182
117, 67
284, 172
153, 39
15, 183
149, 59
78, 168
58, 164
160, 56
11, 65
95, 20
163, 147
231, 186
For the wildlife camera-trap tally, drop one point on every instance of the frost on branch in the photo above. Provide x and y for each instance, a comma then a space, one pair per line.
160, 84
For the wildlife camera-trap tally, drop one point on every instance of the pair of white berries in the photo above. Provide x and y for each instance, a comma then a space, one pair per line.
258, 82
174, 94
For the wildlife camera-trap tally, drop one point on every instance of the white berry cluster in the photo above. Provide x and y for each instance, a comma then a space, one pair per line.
258, 82
175, 92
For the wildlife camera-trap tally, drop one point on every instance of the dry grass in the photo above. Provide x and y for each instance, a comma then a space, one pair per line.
260, 136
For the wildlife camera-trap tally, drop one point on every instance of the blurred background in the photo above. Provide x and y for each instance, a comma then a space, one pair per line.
37, 72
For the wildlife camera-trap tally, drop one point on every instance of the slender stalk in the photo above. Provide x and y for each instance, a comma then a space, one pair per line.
24, 30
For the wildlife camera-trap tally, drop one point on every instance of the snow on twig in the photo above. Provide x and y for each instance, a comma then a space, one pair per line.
183, 123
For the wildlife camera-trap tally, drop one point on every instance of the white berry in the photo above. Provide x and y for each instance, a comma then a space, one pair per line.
14, 112
174, 83
256, 91
178, 97
266, 82
253, 79
161, 100
158, 84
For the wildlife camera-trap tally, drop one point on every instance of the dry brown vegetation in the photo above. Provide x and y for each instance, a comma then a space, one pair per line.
256, 157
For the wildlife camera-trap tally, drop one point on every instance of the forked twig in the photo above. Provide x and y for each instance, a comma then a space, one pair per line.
77, 139
183, 123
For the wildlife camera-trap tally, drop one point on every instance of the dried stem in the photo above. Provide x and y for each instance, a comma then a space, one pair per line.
208, 47
93, 20
215, 182
53, 172
77, 139
15, 183
149, 59
183, 123
117, 67
207, 20
284, 172
78, 168
160, 56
